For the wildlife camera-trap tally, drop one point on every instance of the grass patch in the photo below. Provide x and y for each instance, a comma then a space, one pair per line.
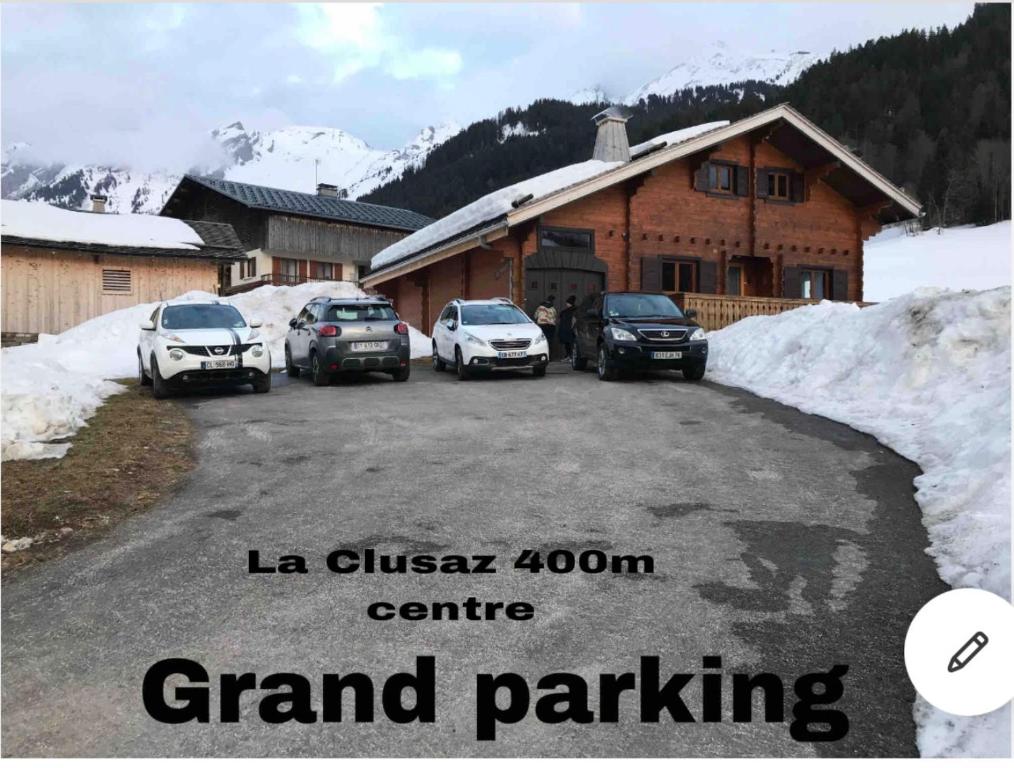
133, 451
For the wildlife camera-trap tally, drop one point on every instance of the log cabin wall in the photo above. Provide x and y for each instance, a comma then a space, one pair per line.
326, 240
51, 290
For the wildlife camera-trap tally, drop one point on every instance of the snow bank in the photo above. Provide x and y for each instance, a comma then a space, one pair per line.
960, 258
50, 389
496, 204
42, 221
927, 374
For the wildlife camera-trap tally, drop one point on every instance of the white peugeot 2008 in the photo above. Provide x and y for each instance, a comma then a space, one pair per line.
485, 335
191, 344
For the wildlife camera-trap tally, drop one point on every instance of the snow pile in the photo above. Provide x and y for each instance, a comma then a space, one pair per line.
40, 221
927, 374
960, 258
50, 389
497, 204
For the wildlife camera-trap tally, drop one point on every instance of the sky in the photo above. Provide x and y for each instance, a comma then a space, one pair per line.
144, 84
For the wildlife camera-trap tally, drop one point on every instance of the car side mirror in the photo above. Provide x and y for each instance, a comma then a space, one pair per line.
292, 323
256, 323
452, 325
147, 325
691, 314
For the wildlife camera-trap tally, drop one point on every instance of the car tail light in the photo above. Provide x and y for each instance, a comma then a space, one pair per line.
401, 328
330, 330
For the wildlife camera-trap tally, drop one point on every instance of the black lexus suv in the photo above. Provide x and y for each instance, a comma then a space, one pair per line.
637, 331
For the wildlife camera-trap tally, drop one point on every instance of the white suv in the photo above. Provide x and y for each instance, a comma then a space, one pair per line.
483, 335
191, 343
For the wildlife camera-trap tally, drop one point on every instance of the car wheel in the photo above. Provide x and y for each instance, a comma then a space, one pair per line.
694, 372
159, 386
460, 366
263, 384
292, 370
402, 373
577, 362
539, 371
438, 364
143, 379
318, 374
605, 371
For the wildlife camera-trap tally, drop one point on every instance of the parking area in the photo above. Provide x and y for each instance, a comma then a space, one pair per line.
782, 542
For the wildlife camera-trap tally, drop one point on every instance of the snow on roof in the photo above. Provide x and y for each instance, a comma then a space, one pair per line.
41, 221
497, 204
675, 137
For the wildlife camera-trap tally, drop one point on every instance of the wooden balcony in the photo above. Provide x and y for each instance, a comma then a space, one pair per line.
716, 311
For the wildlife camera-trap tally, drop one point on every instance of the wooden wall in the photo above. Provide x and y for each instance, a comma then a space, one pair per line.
326, 240
51, 290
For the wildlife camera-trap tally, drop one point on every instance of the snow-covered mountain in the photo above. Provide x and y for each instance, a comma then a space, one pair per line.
289, 158
594, 95
718, 65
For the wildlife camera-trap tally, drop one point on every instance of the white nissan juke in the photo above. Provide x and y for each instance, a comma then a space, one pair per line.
192, 344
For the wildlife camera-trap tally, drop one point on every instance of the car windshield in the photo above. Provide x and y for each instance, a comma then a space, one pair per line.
186, 316
641, 305
492, 314
343, 313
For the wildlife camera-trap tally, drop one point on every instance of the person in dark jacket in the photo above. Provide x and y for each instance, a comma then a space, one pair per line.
565, 332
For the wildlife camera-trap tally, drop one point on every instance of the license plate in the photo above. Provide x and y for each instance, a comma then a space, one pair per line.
666, 355
369, 346
517, 353
209, 364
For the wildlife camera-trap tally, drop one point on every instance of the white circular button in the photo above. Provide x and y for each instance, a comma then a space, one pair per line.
959, 652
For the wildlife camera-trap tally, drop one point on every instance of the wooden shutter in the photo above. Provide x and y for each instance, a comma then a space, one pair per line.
707, 277
792, 288
742, 181
840, 285
701, 177
651, 274
797, 187
762, 182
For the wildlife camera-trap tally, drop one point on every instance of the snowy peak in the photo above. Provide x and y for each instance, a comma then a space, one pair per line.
594, 95
720, 66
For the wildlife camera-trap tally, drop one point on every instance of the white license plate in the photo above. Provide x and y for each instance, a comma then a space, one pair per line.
666, 355
513, 353
209, 364
369, 346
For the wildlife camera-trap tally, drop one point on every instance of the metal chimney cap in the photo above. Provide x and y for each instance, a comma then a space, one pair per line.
327, 190
99, 198
612, 113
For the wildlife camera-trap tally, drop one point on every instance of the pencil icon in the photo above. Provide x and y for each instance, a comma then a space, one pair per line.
967, 652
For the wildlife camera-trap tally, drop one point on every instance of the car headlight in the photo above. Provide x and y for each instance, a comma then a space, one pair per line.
172, 337
474, 340
254, 334
621, 334
257, 350
176, 354
538, 339
698, 335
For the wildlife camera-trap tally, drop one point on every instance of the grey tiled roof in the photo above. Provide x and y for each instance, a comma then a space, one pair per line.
287, 201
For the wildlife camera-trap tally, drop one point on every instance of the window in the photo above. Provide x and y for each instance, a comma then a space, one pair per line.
815, 284
186, 316
679, 276
640, 305
337, 313
720, 179
778, 186
247, 268
449, 313
289, 269
566, 238
116, 281
734, 281
362, 270
492, 314
322, 270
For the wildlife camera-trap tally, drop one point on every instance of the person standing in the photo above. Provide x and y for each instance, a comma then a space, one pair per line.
566, 330
545, 318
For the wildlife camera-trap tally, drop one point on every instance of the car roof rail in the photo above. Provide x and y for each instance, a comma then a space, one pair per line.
502, 299
456, 301
321, 298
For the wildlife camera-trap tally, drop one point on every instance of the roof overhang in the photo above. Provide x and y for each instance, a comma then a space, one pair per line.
891, 194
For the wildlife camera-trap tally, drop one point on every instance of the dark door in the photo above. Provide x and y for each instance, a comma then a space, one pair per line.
560, 283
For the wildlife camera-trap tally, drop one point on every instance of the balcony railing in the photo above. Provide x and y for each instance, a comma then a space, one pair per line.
716, 311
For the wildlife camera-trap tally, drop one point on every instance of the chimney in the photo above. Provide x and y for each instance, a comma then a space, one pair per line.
327, 190
99, 203
611, 140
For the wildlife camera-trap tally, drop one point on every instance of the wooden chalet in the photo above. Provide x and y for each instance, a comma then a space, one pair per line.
293, 237
751, 217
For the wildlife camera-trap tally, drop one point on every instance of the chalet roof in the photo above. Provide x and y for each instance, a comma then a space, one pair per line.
307, 204
42, 225
491, 216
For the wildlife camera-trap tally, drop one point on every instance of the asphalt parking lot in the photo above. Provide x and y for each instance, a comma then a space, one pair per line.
782, 542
